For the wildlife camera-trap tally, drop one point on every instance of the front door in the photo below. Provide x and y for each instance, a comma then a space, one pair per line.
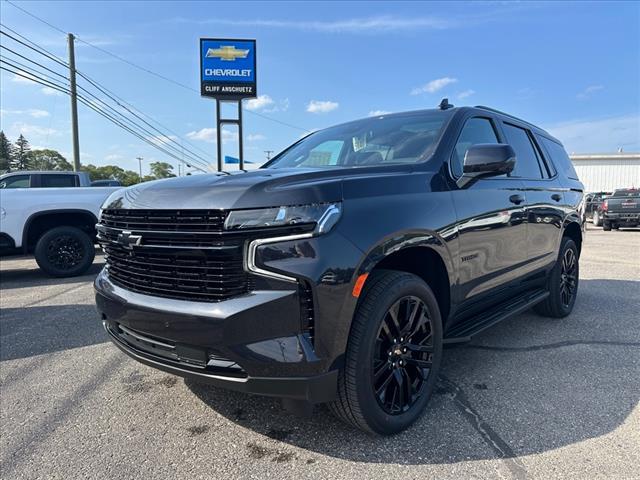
492, 224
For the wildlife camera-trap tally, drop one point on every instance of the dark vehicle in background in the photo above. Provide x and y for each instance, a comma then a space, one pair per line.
622, 209
593, 203
44, 179
338, 271
106, 183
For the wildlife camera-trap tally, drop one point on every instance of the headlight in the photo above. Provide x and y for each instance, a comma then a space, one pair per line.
324, 215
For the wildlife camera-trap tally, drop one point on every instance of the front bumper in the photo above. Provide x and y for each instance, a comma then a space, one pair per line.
257, 336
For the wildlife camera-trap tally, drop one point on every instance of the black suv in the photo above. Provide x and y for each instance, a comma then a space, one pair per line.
337, 272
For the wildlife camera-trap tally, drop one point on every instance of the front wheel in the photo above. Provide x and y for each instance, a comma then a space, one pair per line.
393, 354
562, 283
64, 252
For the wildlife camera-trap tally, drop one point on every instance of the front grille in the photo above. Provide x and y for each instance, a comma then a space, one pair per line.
180, 254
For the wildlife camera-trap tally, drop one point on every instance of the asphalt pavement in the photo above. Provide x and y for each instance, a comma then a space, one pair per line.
530, 398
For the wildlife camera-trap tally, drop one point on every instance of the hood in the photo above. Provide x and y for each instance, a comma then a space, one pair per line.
259, 188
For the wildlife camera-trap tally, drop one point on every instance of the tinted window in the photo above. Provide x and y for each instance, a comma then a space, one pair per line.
527, 161
58, 180
626, 192
560, 158
19, 181
476, 130
383, 140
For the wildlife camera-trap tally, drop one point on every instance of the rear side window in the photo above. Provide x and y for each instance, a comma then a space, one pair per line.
560, 158
527, 159
475, 131
17, 181
58, 181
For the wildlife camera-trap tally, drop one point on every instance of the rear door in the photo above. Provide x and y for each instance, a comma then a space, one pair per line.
545, 196
491, 219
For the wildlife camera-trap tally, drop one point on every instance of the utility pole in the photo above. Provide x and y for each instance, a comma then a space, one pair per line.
268, 152
140, 166
74, 103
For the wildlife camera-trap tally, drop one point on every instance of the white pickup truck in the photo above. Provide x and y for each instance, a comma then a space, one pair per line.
57, 225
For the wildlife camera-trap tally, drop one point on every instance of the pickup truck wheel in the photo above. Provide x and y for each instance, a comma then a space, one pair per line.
393, 355
562, 283
596, 219
64, 252
606, 226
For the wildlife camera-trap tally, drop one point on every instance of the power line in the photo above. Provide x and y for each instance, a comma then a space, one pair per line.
92, 106
31, 45
192, 156
146, 70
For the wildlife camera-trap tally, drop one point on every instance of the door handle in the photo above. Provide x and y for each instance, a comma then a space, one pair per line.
517, 199
556, 196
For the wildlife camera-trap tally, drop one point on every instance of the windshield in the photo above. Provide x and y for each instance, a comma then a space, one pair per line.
397, 139
627, 192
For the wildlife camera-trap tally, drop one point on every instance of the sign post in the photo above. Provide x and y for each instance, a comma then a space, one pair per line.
228, 74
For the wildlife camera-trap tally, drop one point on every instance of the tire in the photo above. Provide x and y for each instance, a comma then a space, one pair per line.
606, 226
394, 364
558, 304
64, 252
597, 221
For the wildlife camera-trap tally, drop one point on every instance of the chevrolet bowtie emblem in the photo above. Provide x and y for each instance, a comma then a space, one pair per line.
226, 52
126, 240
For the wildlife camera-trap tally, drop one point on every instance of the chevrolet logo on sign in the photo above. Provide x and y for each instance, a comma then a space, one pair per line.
227, 52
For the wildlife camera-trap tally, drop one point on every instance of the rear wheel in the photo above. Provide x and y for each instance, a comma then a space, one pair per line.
64, 252
597, 221
562, 283
393, 355
606, 226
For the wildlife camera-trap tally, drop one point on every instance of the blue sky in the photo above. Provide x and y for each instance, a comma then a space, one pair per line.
572, 68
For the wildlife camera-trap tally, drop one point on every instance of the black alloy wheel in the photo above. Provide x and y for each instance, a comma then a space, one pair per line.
393, 354
402, 358
65, 252
568, 277
562, 283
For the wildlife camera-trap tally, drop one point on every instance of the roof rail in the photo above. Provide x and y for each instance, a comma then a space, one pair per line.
494, 110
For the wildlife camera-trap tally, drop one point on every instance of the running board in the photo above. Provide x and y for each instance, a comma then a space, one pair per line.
463, 332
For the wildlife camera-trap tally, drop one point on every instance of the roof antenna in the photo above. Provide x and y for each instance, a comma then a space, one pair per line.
444, 104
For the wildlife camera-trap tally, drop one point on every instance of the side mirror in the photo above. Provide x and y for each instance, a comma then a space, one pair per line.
486, 160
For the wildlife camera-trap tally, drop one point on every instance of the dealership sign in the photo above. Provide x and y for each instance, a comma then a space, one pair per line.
227, 68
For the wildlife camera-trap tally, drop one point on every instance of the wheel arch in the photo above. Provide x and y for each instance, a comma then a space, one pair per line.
39, 222
574, 232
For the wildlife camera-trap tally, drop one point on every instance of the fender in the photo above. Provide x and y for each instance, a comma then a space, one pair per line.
388, 245
34, 216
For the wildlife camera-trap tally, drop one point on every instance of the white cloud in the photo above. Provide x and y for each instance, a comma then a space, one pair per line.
434, 85
375, 113
162, 139
33, 112
377, 24
113, 157
255, 137
465, 94
209, 135
51, 91
321, 106
589, 91
22, 79
259, 103
267, 104
599, 135
29, 130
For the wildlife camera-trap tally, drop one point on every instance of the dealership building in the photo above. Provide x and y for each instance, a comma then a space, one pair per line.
604, 172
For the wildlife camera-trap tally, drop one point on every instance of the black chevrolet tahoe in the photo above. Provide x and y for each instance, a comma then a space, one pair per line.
338, 271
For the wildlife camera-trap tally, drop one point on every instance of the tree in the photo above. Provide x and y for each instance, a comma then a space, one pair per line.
161, 169
20, 157
6, 153
48, 160
108, 172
